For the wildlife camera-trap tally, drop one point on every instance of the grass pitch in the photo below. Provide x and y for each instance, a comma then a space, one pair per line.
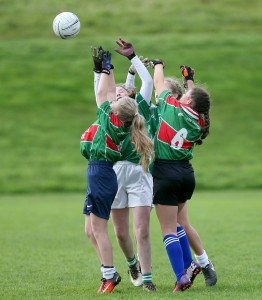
45, 254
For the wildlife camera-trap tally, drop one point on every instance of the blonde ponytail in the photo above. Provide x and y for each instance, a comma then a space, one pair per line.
128, 114
143, 144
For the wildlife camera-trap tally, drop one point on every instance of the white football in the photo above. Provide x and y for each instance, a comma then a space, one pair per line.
66, 25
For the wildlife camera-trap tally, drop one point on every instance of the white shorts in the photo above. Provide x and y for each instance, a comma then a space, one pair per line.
135, 186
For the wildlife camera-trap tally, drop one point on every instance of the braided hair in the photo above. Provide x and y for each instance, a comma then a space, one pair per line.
201, 102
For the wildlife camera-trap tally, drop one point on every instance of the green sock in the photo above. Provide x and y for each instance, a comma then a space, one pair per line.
131, 261
147, 277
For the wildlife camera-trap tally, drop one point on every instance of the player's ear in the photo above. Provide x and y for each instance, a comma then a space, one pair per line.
189, 101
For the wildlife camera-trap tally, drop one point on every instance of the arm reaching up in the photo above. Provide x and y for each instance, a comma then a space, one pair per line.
139, 67
97, 56
105, 83
147, 81
159, 78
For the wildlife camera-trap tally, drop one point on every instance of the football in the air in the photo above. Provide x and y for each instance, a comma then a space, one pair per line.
66, 25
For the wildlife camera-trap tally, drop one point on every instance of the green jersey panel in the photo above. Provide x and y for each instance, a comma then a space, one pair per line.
101, 140
153, 121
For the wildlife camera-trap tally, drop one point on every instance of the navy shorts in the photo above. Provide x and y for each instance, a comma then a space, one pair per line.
102, 188
173, 181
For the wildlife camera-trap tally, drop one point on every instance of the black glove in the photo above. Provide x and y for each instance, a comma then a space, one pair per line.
97, 55
187, 72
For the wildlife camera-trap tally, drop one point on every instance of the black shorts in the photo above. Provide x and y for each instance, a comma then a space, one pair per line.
173, 181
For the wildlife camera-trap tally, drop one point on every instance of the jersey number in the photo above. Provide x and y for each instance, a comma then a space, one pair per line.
178, 139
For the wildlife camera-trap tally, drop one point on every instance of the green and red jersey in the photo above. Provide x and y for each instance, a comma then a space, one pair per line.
127, 148
153, 121
178, 127
101, 140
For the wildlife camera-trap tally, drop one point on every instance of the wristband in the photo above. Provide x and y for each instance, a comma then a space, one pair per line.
159, 63
96, 71
106, 71
132, 55
155, 62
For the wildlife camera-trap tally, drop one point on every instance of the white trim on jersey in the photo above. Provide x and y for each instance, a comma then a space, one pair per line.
190, 111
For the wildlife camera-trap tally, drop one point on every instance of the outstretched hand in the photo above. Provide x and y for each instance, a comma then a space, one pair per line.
145, 61
106, 64
97, 55
127, 49
187, 72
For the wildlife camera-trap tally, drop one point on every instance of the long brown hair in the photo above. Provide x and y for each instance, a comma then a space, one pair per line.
201, 102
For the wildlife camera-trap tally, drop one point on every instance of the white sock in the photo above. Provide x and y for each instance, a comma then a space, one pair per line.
202, 259
108, 272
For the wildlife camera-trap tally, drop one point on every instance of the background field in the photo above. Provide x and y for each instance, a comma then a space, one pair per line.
47, 98
47, 101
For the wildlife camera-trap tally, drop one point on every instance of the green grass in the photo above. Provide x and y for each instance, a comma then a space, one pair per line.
45, 254
47, 98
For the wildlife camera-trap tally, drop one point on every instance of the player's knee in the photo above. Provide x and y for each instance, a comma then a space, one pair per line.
142, 232
89, 234
121, 235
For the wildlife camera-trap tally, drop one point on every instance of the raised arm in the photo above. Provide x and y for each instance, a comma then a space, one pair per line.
97, 56
111, 93
105, 82
139, 67
159, 78
147, 81
130, 78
